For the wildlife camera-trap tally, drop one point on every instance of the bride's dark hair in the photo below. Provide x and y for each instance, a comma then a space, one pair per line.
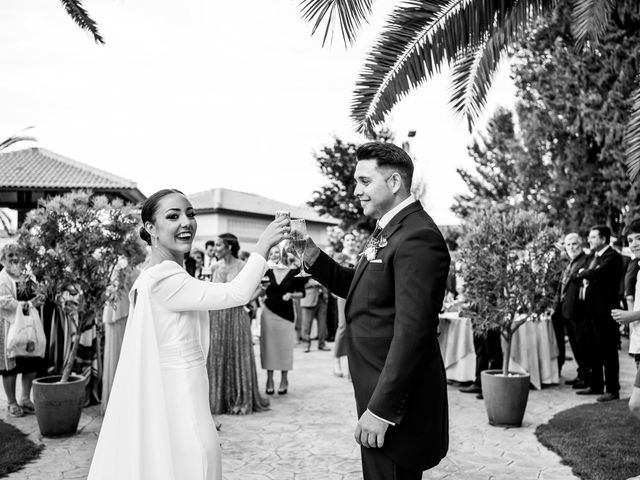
149, 208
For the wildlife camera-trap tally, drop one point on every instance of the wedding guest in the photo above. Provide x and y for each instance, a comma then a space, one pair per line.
158, 424
314, 306
631, 317
198, 257
600, 292
233, 382
17, 290
348, 259
569, 314
210, 253
276, 324
488, 349
209, 259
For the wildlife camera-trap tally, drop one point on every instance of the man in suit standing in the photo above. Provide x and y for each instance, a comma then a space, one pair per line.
600, 293
569, 313
314, 305
393, 297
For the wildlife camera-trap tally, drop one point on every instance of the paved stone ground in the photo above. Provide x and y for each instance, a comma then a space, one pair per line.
307, 434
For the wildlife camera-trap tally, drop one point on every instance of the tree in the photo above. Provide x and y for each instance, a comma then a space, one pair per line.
472, 36
567, 157
573, 107
504, 171
511, 267
77, 242
338, 163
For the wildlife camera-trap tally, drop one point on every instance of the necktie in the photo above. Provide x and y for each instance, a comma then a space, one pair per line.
376, 232
565, 279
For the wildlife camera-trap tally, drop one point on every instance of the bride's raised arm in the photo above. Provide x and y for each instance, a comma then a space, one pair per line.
176, 290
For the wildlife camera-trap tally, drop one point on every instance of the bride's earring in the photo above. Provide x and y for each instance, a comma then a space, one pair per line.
154, 241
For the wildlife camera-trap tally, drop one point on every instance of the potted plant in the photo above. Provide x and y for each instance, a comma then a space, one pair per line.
76, 243
510, 266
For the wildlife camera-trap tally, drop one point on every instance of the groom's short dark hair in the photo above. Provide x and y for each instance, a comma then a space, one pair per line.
388, 155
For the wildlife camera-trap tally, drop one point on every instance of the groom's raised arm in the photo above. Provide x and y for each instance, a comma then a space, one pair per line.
333, 276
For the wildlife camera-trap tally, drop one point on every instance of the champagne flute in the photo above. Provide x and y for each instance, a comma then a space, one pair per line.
297, 235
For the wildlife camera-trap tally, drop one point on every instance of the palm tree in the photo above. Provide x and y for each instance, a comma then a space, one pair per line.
421, 37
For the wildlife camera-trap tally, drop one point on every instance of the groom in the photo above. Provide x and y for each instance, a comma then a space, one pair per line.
393, 297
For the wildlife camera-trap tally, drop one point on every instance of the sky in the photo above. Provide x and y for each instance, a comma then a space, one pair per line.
200, 94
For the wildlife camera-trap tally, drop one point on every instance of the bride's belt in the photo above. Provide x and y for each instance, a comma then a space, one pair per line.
181, 355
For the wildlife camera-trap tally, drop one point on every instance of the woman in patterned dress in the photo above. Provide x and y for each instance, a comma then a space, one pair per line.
231, 365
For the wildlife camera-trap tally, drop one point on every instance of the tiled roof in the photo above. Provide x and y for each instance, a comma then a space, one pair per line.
41, 168
232, 200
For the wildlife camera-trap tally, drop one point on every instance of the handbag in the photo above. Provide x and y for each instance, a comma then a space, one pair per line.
25, 337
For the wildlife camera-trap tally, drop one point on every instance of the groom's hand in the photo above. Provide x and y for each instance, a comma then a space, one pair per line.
370, 431
311, 252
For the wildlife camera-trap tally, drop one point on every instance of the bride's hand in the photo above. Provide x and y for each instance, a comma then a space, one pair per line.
275, 232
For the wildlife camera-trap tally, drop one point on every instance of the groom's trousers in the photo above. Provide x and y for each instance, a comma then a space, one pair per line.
377, 466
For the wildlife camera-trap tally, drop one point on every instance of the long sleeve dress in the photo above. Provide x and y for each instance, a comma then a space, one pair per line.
158, 424
231, 365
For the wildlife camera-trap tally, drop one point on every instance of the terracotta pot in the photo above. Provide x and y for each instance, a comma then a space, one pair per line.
505, 397
58, 405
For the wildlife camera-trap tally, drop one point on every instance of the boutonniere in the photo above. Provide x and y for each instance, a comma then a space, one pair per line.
383, 242
370, 252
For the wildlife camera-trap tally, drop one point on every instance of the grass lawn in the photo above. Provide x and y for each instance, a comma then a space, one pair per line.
15, 449
599, 441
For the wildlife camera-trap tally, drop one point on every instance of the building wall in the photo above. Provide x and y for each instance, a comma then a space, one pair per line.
246, 228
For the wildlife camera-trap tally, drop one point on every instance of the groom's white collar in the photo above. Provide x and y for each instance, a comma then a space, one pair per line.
387, 217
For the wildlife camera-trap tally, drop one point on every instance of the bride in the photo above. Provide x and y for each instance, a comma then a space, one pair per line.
157, 424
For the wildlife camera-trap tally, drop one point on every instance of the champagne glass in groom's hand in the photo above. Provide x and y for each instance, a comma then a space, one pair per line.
298, 239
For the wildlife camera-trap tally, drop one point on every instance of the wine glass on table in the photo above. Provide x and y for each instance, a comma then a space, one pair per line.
298, 240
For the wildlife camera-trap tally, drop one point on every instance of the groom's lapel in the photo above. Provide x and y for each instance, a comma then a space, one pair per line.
387, 231
363, 263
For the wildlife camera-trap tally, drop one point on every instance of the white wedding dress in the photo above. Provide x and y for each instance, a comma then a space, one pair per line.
158, 425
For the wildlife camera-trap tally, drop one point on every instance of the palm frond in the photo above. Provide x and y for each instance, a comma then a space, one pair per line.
348, 14
15, 138
473, 73
632, 136
79, 15
463, 82
423, 36
11, 140
589, 19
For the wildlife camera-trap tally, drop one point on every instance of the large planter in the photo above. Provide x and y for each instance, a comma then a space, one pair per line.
58, 405
505, 398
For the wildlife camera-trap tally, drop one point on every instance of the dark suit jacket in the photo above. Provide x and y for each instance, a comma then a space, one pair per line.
569, 303
391, 334
604, 282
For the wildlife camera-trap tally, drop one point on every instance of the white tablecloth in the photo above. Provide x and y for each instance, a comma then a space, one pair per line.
533, 350
456, 346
